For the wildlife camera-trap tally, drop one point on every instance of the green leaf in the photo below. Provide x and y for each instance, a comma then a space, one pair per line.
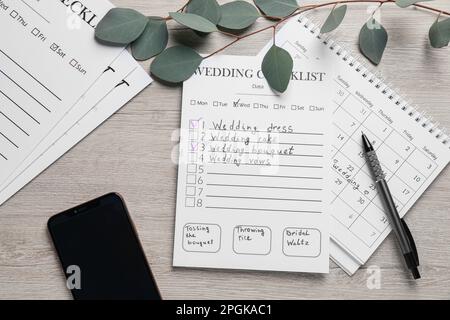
120, 26
208, 9
194, 22
277, 8
237, 15
334, 19
372, 40
439, 33
152, 41
277, 68
407, 3
176, 64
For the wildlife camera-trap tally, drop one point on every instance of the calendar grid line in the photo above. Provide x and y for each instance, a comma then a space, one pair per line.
383, 121
359, 214
371, 200
385, 144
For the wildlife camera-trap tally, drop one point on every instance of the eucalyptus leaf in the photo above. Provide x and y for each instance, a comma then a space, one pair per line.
277, 68
208, 9
194, 22
152, 41
334, 19
407, 3
237, 15
120, 26
176, 64
372, 40
277, 8
439, 33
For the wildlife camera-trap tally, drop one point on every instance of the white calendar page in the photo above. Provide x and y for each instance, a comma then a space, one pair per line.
253, 190
411, 155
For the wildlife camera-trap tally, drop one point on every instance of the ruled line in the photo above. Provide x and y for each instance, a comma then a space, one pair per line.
270, 143
19, 127
262, 175
3, 156
261, 198
270, 154
260, 131
4, 94
9, 140
267, 165
35, 11
29, 94
259, 186
263, 209
28, 73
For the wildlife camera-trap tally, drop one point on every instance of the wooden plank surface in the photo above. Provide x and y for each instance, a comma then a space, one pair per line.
133, 153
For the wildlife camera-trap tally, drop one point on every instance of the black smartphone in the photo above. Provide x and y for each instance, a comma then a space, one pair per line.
100, 252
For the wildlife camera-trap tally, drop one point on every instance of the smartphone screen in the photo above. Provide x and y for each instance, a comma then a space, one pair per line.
100, 252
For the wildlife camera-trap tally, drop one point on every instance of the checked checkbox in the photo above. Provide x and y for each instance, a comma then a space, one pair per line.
193, 124
54, 47
194, 146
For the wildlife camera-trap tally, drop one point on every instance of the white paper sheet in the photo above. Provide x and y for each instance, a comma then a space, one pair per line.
252, 178
412, 155
113, 74
100, 108
48, 60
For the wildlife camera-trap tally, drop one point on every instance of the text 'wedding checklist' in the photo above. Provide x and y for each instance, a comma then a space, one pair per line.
253, 170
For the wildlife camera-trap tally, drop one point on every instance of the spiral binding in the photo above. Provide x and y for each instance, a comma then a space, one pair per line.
374, 77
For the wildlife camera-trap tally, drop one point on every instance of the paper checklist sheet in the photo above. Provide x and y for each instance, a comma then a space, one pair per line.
252, 171
111, 74
412, 150
45, 67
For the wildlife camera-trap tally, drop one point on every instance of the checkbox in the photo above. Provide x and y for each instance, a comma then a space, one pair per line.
193, 124
73, 62
193, 102
276, 106
35, 32
191, 178
192, 168
192, 157
256, 105
14, 15
190, 202
193, 146
54, 47
190, 191
215, 103
193, 135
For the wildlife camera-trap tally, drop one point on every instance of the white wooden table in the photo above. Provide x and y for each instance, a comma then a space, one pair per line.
131, 154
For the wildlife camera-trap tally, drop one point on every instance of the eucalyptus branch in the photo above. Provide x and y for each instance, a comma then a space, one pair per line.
148, 36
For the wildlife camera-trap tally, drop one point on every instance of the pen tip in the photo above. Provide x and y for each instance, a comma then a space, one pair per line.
415, 273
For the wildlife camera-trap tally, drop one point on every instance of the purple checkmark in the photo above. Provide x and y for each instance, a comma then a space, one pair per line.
193, 124
194, 146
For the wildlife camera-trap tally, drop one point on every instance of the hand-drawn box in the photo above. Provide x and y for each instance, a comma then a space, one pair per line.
302, 242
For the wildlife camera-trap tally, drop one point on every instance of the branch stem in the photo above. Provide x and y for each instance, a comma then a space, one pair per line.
309, 7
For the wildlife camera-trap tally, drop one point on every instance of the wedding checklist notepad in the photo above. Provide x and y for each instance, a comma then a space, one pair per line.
253, 170
411, 149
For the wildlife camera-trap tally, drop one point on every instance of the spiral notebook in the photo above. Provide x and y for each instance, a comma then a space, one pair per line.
412, 149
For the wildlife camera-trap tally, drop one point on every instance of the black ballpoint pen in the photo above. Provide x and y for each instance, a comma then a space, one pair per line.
399, 226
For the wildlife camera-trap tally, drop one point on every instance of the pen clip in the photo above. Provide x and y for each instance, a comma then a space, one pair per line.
411, 241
